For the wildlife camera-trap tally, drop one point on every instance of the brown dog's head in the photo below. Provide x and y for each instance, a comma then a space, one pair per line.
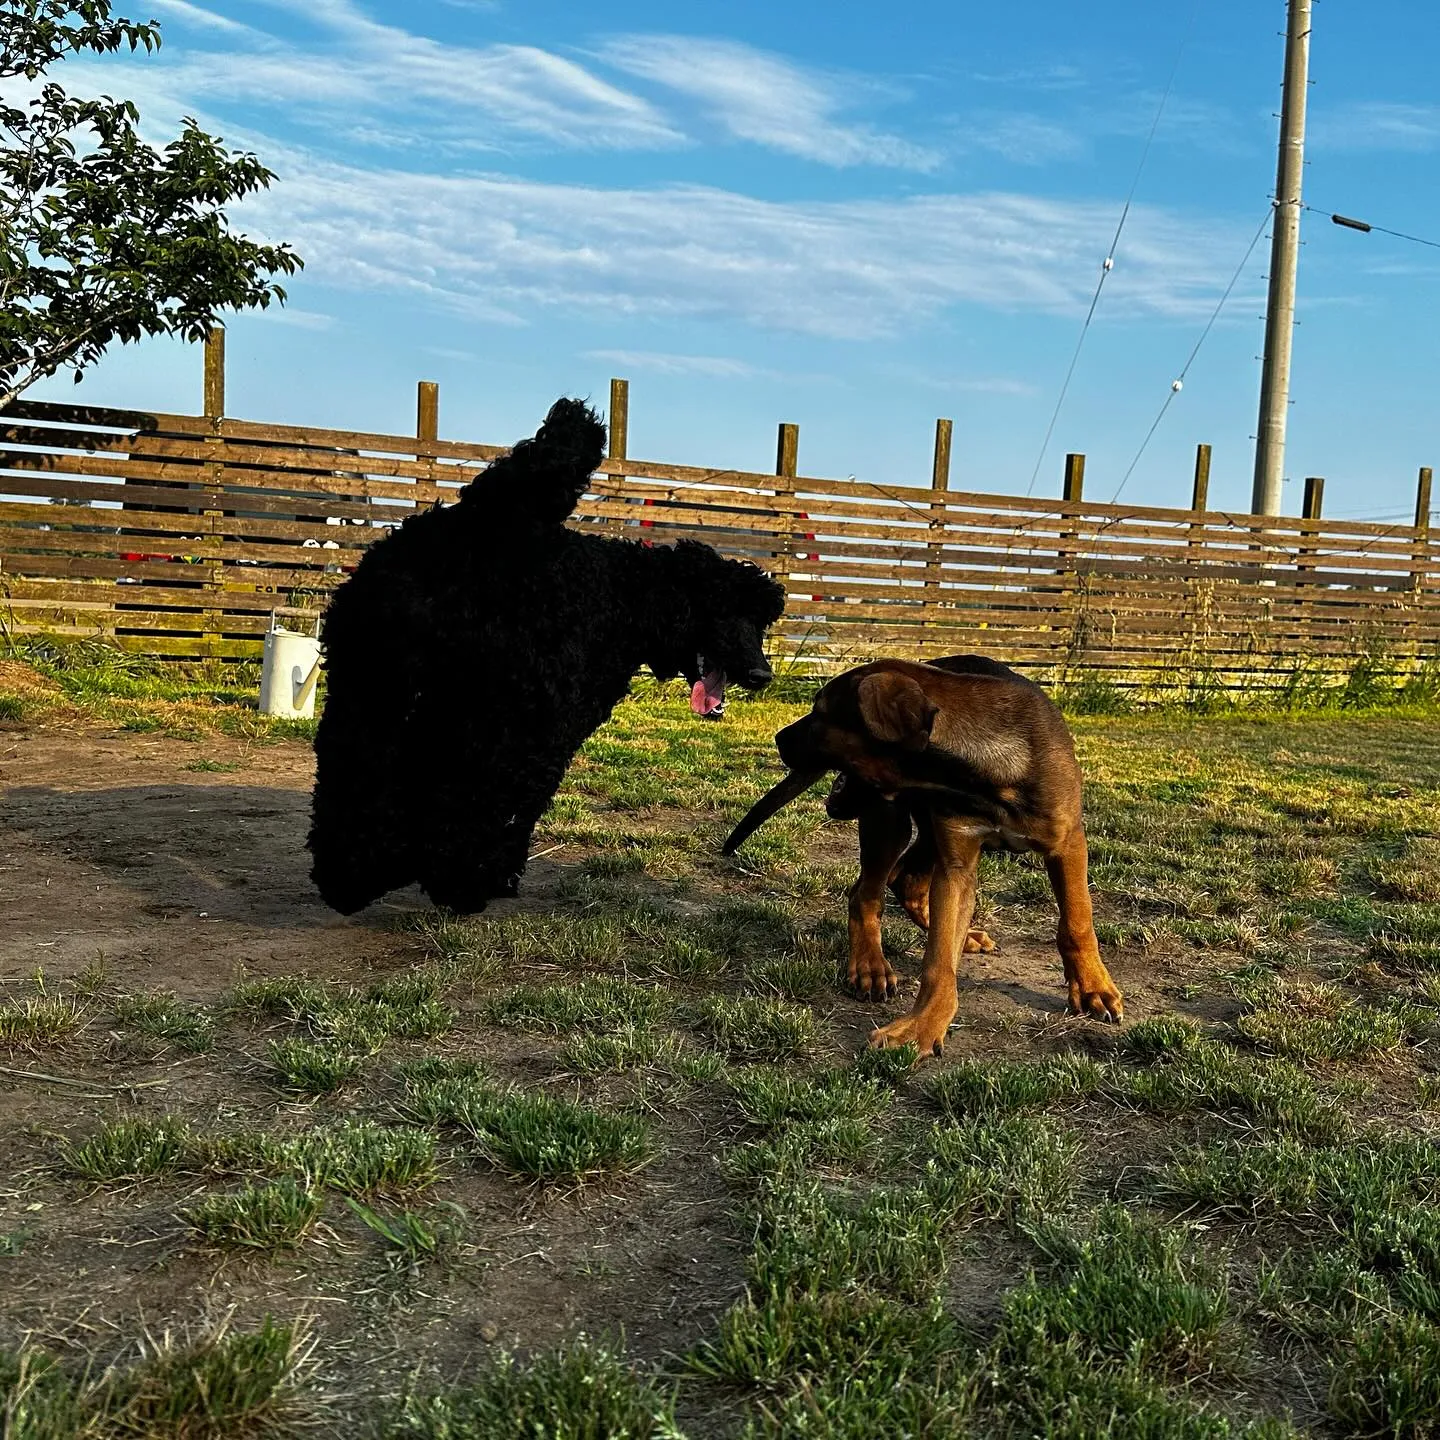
862, 723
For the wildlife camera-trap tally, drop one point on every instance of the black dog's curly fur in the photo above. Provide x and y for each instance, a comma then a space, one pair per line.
474, 650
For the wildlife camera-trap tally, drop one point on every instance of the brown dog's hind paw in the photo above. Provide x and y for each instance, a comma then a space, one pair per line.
1098, 997
872, 977
978, 942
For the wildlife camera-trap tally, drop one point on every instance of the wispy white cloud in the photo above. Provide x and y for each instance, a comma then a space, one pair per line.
198, 16
1035, 77
990, 385
300, 319
928, 379
1021, 139
718, 367
510, 250
766, 99
1377, 125
376, 84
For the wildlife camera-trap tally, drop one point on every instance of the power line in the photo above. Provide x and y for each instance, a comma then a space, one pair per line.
1178, 383
1366, 227
1109, 264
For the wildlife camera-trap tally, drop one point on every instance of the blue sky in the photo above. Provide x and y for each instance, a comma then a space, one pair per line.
856, 218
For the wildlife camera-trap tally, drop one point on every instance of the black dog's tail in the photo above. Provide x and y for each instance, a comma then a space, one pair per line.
542, 479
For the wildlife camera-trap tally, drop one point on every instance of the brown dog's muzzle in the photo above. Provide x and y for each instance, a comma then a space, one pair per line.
796, 746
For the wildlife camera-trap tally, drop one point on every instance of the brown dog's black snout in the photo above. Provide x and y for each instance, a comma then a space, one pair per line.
795, 748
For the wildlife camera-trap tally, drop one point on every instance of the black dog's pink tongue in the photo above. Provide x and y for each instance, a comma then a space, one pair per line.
708, 693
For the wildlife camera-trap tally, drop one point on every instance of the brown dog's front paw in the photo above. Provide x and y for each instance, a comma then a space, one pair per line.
871, 976
1094, 993
923, 1029
978, 942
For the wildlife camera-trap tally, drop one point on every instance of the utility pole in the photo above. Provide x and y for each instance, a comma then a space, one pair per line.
1284, 261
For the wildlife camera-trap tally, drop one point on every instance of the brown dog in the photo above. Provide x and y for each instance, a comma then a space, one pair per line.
974, 757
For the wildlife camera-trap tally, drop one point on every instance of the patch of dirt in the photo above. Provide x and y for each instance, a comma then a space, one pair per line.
175, 861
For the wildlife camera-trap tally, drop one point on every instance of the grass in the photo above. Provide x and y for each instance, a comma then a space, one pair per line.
313, 1067
592, 1054
352, 1156
228, 1383
411, 1239
751, 1028
585, 1391
41, 1020
1209, 1076
1178, 1229
812, 1238
846, 1365
361, 1020
1376, 1174
160, 1015
770, 1097
595, 1004
260, 1217
1004, 1168
531, 1134
982, 1087
1388, 1382
1131, 1291
1306, 1021
138, 693
803, 1149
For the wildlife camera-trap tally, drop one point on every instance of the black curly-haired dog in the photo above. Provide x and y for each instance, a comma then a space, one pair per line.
475, 649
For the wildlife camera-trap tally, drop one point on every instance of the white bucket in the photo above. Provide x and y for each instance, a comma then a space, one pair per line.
289, 672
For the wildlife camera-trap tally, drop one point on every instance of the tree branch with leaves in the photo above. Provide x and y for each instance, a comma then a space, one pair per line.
104, 237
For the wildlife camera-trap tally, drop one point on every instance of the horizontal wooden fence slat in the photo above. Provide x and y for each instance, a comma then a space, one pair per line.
177, 535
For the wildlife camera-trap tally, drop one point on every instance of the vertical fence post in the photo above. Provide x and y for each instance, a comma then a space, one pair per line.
787, 467
1196, 593
1306, 553
939, 480
619, 419
1071, 614
1422, 529
427, 412
940, 469
215, 373
427, 428
1199, 496
214, 470
1072, 493
1200, 493
617, 433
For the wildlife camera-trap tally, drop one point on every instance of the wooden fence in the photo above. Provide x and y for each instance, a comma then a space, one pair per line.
177, 535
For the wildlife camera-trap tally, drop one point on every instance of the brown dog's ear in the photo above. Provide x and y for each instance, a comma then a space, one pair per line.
896, 711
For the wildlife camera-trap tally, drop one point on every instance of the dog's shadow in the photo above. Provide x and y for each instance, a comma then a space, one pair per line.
235, 852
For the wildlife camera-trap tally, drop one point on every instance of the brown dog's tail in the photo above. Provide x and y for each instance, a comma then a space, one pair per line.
796, 783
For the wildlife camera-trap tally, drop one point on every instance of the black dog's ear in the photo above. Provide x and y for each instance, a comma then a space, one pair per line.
896, 711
